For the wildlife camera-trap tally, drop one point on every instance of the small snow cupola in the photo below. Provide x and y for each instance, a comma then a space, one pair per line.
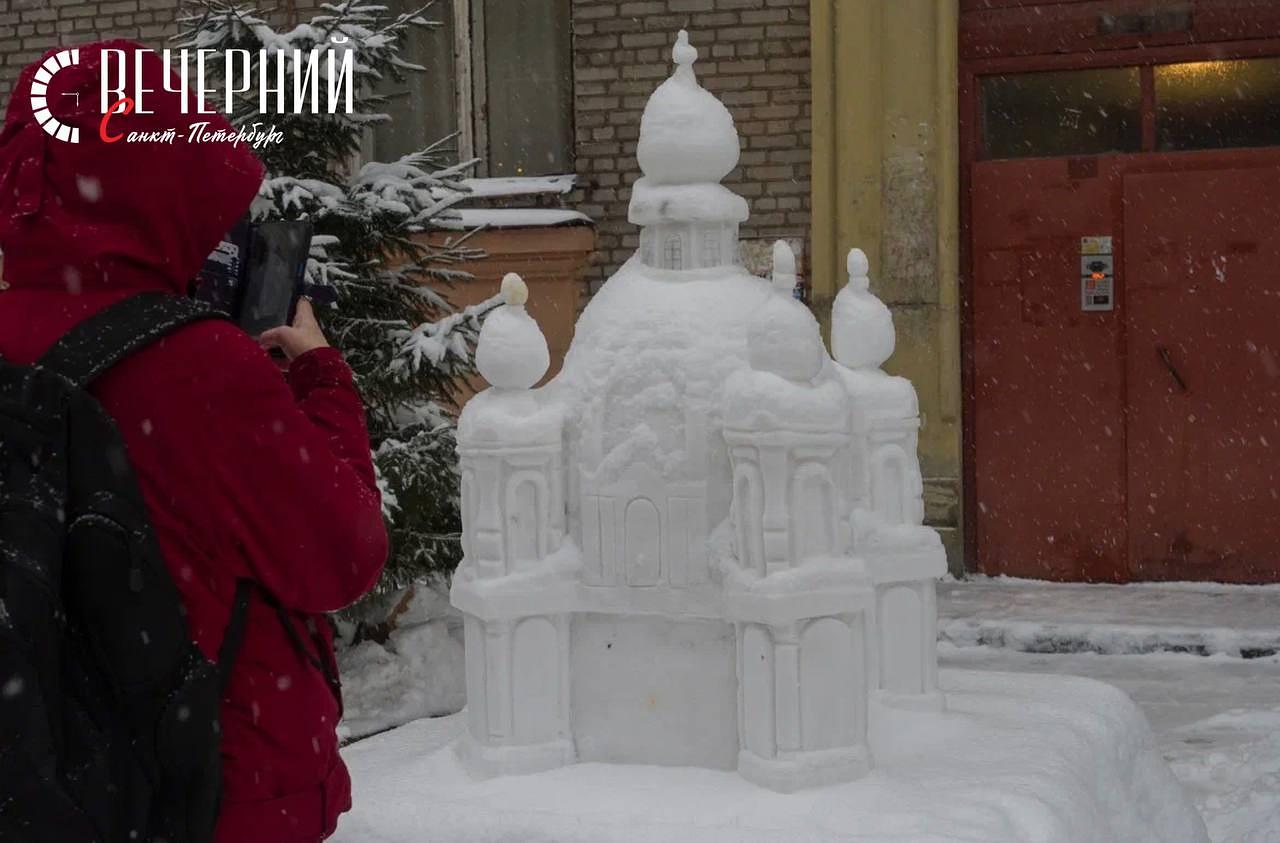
862, 334
784, 338
511, 352
687, 144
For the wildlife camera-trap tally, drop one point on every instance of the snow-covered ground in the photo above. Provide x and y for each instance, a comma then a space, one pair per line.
1216, 718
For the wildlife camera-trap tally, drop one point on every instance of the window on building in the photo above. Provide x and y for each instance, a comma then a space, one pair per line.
673, 252
423, 106
529, 110
1212, 104
711, 248
1068, 112
499, 73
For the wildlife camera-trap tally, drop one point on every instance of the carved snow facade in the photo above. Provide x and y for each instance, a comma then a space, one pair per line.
701, 544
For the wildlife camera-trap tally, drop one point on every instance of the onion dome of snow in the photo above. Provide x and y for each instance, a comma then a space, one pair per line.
784, 338
686, 134
862, 334
687, 144
511, 352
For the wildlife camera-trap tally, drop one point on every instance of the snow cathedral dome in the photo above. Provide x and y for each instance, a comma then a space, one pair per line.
686, 134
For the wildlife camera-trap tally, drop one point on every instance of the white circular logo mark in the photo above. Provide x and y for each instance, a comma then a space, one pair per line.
39, 102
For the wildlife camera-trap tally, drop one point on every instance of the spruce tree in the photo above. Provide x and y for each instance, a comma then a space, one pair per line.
407, 345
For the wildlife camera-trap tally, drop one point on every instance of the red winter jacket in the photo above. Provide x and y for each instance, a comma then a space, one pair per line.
245, 475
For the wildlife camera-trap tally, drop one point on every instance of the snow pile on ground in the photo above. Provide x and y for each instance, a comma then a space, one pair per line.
418, 672
1015, 758
1216, 720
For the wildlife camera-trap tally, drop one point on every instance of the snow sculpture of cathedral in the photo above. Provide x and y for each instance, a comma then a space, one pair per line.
701, 544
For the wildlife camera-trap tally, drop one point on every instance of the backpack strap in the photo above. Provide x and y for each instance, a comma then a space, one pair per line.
113, 333
233, 636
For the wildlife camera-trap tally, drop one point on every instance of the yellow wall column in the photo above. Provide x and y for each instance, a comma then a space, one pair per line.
885, 179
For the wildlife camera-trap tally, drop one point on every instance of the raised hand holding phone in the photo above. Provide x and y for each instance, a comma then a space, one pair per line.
297, 339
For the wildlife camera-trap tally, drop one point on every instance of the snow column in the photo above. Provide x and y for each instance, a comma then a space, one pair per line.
800, 604
904, 558
515, 602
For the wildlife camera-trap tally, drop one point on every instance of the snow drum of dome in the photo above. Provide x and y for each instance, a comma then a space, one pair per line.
651, 354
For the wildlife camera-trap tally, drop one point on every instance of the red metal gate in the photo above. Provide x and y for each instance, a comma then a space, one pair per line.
1128, 433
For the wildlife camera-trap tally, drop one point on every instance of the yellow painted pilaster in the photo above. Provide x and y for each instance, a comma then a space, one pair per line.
823, 238
886, 176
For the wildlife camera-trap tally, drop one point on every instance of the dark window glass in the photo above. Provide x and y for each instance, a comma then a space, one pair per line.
423, 105
1070, 112
1209, 104
530, 87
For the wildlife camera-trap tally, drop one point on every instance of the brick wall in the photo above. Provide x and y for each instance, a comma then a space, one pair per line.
752, 54
28, 28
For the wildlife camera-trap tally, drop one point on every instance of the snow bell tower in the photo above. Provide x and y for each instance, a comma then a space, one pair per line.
688, 143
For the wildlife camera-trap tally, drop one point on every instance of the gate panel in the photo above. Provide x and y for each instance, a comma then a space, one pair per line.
1202, 270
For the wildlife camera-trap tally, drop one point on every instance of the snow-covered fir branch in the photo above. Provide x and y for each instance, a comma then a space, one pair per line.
377, 242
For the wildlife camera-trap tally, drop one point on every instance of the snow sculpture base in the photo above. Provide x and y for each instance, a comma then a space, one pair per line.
1015, 757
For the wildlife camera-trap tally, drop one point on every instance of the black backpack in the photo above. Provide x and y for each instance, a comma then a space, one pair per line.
108, 712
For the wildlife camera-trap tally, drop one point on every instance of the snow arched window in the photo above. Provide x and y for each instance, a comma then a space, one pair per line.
673, 252
711, 248
648, 247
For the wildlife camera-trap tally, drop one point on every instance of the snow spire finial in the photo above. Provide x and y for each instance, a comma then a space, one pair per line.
862, 334
514, 291
684, 55
858, 267
784, 268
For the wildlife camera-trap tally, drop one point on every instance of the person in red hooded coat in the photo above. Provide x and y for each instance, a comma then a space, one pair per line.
245, 473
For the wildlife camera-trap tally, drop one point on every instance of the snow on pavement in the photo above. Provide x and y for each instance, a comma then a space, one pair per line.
1215, 714
1038, 617
1217, 720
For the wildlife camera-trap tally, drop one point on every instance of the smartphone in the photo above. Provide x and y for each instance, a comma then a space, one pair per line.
257, 274
275, 276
